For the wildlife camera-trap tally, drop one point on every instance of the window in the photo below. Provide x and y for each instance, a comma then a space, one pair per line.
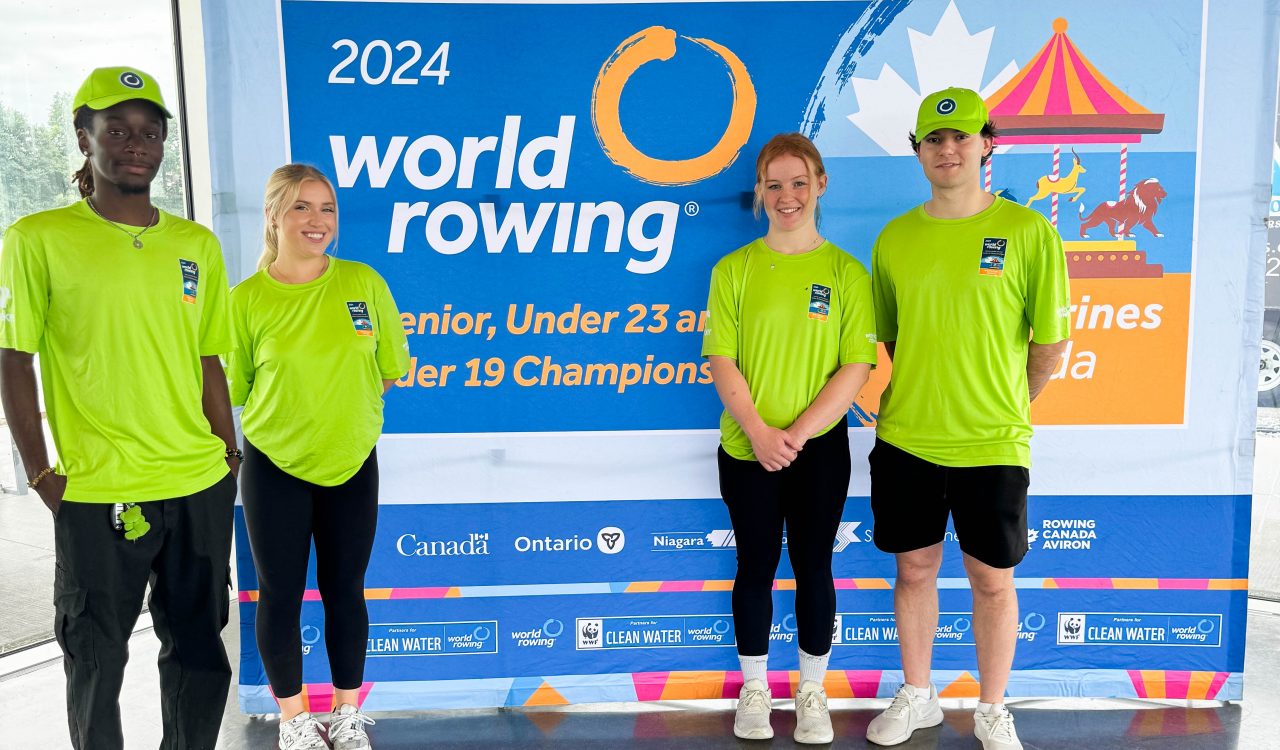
49, 47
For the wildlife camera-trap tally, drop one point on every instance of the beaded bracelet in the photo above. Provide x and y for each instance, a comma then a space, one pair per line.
36, 479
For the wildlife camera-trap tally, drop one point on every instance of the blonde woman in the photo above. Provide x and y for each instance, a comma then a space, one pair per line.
317, 343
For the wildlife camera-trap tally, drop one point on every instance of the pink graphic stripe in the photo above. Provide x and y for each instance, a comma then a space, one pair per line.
649, 685
1176, 684
1017, 99
424, 592
1059, 100
1139, 685
789, 584
1103, 102
1065, 139
1013, 102
1219, 679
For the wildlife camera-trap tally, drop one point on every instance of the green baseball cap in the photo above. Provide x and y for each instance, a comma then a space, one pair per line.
107, 87
955, 108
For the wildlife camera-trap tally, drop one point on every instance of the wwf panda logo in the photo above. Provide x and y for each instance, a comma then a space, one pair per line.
131, 79
946, 106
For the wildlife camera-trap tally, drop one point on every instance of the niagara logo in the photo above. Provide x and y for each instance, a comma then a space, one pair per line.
846, 534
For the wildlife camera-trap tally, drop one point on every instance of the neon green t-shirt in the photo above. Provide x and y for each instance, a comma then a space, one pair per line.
308, 366
120, 332
961, 298
790, 321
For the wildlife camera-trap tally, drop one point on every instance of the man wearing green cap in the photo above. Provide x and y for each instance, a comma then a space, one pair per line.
127, 307
971, 301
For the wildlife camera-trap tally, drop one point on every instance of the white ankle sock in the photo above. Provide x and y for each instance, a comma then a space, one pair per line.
755, 668
920, 692
813, 668
989, 708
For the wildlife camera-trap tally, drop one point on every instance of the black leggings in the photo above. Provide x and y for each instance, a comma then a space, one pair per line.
284, 514
809, 496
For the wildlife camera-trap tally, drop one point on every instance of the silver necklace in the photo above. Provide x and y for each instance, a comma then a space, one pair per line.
137, 238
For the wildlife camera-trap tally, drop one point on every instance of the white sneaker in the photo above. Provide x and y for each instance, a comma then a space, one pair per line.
302, 732
346, 728
813, 721
752, 719
905, 714
995, 730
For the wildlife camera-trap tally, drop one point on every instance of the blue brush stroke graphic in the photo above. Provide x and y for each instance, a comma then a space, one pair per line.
856, 41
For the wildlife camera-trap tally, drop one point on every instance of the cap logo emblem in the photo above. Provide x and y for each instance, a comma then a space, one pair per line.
946, 106
131, 79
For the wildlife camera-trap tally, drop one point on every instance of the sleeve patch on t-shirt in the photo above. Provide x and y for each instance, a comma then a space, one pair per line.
360, 318
819, 302
190, 280
992, 263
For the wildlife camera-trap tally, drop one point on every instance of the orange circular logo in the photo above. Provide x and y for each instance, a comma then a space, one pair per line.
659, 43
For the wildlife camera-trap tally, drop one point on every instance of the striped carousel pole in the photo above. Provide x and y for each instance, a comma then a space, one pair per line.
1124, 183
1053, 200
1124, 168
986, 177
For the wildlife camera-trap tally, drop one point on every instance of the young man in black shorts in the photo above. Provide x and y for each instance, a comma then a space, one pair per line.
971, 302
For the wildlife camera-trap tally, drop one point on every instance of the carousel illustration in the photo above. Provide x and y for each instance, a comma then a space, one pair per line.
1061, 99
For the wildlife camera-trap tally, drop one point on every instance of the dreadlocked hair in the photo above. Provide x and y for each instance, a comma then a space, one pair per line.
83, 177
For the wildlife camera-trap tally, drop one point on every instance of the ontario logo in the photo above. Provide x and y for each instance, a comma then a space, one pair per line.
659, 43
609, 541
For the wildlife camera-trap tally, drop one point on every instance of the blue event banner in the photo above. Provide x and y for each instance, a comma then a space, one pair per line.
499, 545
549, 236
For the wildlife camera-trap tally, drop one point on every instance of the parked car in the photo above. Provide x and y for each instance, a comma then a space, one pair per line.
1269, 364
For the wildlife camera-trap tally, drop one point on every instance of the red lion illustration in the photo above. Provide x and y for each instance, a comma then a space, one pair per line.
1137, 209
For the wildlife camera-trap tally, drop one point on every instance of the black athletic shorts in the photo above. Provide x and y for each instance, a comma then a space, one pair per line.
911, 499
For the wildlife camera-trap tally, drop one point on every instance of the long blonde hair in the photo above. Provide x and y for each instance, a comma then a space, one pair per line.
283, 187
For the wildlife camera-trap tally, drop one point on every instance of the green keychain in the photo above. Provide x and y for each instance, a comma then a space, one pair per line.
135, 525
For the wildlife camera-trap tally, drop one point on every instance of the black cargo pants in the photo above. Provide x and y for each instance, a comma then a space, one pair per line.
99, 584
